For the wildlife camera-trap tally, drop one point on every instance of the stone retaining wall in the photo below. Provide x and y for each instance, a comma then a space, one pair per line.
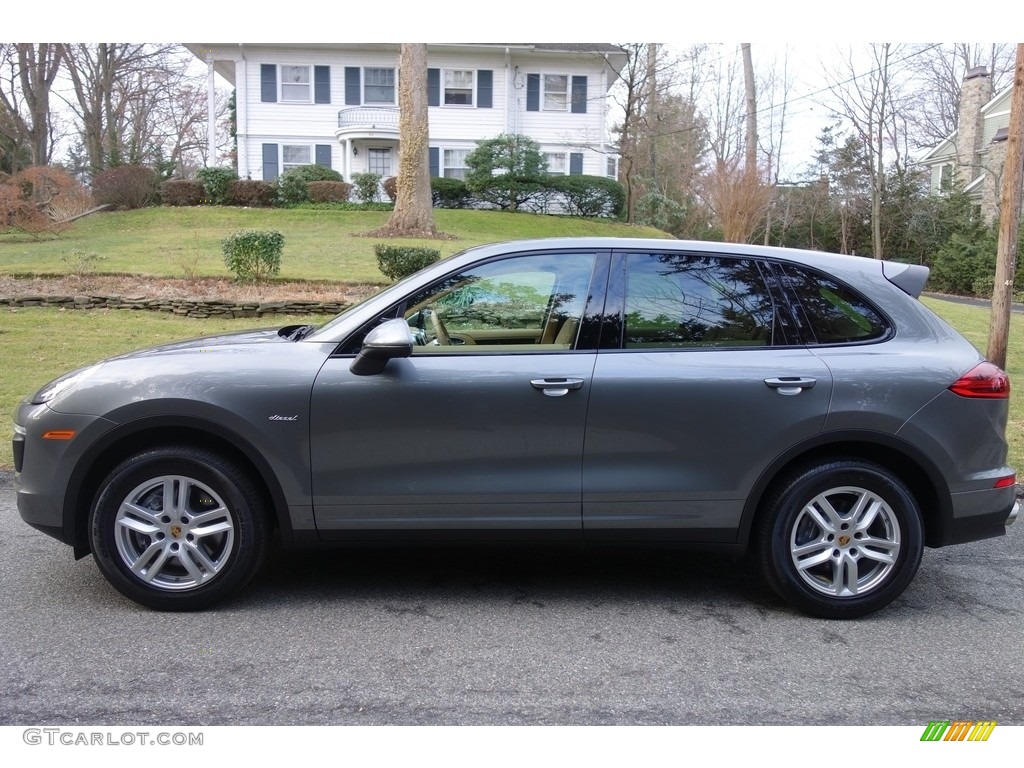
186, 307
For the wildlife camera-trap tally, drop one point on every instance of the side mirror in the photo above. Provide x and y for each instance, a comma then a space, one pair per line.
386, 341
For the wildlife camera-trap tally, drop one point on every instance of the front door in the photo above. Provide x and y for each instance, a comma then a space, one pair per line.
482, 427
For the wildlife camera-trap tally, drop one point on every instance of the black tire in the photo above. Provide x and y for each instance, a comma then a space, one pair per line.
847, 568
207, 550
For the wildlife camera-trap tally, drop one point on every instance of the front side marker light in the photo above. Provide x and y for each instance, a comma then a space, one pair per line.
59, 434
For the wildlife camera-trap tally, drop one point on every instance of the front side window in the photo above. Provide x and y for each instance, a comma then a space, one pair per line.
295, 83
831, 313
455, 163
556, 92
458, 87
689, 300
529, 303
378, 85
294, 155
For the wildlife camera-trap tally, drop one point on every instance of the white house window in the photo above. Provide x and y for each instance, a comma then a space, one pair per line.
455, 163
946, 177
379, 161
556, 92
458, 86
556, 163
295, 83
378, 85
294, 155
612, 171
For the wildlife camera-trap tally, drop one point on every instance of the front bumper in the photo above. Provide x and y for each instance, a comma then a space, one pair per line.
44, 465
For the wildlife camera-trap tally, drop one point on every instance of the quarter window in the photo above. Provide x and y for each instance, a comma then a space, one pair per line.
682, 300
831, 313
378, 85
458, 87
295, 83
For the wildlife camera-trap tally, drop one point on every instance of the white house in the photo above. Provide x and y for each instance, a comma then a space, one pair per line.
337, 104
973, 155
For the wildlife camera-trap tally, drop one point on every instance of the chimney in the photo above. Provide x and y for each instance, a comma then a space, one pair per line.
974, 94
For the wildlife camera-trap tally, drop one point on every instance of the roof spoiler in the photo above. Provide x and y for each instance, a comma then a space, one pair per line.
909, 278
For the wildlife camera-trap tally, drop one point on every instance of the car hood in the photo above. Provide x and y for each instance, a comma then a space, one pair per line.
244, 338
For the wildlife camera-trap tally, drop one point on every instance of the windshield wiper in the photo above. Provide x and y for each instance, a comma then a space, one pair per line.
300, 332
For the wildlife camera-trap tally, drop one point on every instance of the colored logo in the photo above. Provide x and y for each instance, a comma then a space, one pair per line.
958, 730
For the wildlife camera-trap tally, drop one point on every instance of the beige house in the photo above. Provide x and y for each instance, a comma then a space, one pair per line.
974, 154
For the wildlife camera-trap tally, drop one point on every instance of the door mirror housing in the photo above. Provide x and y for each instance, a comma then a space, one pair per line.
388, 340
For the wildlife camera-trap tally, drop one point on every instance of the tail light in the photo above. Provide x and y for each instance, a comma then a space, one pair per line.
984, 380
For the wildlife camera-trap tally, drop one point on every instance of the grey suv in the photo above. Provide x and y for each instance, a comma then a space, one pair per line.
801, 406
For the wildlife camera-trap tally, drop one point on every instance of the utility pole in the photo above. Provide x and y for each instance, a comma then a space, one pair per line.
1009, 220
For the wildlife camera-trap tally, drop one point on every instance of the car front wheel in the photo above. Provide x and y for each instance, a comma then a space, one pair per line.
178, 528
840, 539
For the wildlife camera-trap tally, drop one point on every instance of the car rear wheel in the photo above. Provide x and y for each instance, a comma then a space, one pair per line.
840, 539
178, 528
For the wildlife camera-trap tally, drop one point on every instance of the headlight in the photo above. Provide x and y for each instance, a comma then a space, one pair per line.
58, 385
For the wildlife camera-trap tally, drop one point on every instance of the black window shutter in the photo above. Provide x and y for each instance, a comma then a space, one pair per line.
484, 88
575, 163
352, 95
322, 85
533, 93
268, 82
435, 162
433, 87
269, 162
323, 155
579, 93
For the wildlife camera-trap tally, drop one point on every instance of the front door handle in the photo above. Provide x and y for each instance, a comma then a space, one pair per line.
556, 387
791, 385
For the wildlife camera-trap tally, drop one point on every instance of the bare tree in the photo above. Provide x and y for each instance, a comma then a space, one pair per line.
112, 84
29, 70
413, 215
938, 71
645, 81
735, 186
870, 101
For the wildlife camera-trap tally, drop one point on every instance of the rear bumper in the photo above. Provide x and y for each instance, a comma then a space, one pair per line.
983, 521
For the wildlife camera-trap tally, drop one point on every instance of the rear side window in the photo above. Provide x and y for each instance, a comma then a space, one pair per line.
679, 300
831, 313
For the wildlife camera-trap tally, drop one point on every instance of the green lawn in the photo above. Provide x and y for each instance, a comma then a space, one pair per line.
40, 344
318, 244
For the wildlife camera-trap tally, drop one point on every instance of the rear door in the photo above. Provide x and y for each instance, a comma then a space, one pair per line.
699, 384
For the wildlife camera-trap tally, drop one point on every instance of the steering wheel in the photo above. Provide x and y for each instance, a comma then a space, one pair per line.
437, 327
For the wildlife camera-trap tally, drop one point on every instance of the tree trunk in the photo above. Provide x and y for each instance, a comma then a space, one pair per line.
1009, 220
750, 164
414, 214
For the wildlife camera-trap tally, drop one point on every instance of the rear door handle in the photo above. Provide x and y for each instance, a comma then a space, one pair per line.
791, 385
556, 387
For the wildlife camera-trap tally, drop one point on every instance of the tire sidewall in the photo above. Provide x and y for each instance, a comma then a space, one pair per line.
233, 487
786, 508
